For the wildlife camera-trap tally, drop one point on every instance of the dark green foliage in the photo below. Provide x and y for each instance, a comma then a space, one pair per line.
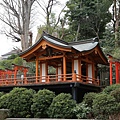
4, 100
41, 102
5, 64
116, 94
1, 94
18, 61
109, 89
82, 111
14, 59
31, 66
13, 56
104, 105
62, 106
20, 100
8, 62
88, 99
108, 42
90, 15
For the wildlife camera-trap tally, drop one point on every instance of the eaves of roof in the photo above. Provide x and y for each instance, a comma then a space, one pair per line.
80, 46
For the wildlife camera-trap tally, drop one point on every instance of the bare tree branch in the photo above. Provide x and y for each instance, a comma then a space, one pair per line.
17, 14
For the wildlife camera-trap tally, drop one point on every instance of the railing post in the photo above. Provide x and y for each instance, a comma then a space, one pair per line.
36, 79
48, 78
74, 77
25, 78
15, 81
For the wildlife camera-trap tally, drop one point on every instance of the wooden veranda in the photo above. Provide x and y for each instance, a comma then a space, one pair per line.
48, 79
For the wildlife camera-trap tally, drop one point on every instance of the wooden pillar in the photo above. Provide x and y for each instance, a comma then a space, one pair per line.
46, 67
79, 67
15, 76
117, 72
40, 72
74, 93
93, 72
110, 72
57, 73
72, 65
87, 72
37, 69
64, 68
25, 73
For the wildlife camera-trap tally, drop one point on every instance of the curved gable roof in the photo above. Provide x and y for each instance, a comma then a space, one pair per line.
79, 46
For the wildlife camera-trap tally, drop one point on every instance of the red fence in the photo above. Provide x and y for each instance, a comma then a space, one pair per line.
48, 79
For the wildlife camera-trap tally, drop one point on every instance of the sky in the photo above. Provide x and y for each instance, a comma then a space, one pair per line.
6, 44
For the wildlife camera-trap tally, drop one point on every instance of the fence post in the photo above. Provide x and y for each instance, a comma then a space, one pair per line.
74, 77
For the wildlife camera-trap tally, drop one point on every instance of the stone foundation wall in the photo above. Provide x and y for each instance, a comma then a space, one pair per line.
4, 113
42, 119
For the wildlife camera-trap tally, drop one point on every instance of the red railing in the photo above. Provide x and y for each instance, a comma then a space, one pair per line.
49, 79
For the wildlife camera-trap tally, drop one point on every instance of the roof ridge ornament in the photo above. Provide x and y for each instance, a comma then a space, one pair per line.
44, 46
95, 39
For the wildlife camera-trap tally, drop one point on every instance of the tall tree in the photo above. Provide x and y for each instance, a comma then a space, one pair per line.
88, 18
52, 20
111, 41
16, 15
116, 20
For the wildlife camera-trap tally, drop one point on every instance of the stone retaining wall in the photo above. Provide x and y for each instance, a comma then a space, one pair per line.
42, 119
4, 113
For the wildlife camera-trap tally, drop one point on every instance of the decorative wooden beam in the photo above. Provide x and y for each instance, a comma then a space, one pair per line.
101, 56
53, 57
43, 42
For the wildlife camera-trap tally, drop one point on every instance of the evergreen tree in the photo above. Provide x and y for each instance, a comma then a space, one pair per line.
88, 18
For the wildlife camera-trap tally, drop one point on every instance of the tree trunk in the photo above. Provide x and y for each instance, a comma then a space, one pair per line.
117, 18
77, 34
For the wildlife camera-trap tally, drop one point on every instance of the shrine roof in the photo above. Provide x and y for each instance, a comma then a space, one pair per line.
82, 45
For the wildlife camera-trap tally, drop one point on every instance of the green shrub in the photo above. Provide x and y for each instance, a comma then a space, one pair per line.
20, 100
116, 94
82, 111
88, 98
1, 94
62, 106
110, 88
4, 100
41, 103
104, 105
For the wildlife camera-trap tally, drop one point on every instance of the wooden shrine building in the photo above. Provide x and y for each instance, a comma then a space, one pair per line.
74, 67
75, 64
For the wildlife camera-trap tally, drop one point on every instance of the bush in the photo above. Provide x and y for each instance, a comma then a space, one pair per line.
1, 94
20, 100
41, 103
110, 88
88, 98
4, 100
82, 111
104, 105
62, 106
116, 94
